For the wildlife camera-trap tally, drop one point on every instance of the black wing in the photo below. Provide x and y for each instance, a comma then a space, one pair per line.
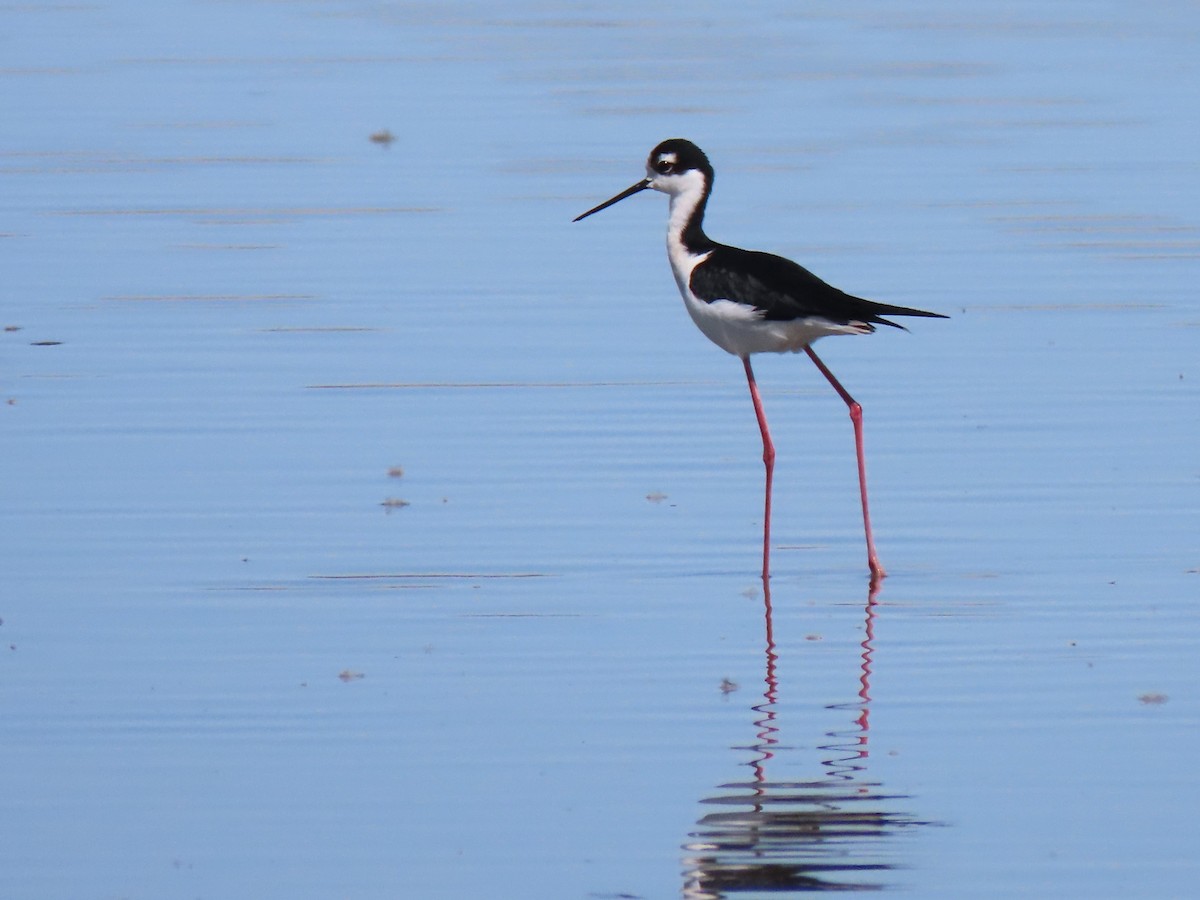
785, 290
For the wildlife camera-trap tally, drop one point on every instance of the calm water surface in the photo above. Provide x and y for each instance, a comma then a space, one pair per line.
370, 530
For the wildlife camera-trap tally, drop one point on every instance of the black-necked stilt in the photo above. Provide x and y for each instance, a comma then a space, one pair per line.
749, 302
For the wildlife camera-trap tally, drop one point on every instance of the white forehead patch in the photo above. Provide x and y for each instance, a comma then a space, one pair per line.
668, 158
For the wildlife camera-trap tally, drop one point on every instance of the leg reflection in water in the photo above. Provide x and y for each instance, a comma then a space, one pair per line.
836, 833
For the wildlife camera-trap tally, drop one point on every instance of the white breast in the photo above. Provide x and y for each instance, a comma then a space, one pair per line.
737, 328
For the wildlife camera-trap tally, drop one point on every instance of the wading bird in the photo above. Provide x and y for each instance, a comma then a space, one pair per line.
749, 302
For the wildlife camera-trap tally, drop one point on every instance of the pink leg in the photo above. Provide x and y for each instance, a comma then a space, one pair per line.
856, 417
768, 461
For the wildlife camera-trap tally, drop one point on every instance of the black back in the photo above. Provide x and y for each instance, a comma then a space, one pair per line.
784, 290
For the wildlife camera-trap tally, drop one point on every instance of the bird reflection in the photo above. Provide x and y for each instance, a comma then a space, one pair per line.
832, 834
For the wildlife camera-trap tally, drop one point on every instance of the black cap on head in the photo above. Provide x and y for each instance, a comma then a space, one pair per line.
677, 155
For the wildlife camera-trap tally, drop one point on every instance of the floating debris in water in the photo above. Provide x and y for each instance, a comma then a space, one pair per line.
384, 137
394, 503
349, 675
727, 686
656, 497
1153, 699
396, 472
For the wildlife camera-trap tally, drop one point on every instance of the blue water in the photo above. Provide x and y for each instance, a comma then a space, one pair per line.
370, 530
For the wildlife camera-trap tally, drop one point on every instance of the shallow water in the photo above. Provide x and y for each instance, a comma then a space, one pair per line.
370, 530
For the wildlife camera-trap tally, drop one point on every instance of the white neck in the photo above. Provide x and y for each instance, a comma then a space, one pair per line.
685, 200
688, 192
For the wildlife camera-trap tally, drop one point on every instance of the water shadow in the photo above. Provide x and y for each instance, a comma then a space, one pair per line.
836, 833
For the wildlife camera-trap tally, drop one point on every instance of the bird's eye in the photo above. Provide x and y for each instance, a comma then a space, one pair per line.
663, 166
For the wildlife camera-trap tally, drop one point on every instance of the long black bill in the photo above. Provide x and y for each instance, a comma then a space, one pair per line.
628, 192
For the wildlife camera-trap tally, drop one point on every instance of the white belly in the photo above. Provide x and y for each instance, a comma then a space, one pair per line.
740, 329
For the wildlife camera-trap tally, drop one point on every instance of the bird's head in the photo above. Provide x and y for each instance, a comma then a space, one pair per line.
674, 167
